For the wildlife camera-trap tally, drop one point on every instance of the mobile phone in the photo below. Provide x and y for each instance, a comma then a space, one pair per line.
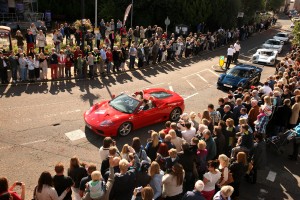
19, 183
139, 189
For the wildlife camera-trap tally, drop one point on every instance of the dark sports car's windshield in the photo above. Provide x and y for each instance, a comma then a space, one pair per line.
273, 42
238, 73
124, 103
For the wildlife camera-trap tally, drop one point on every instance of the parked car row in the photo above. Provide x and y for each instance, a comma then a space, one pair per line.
267, 55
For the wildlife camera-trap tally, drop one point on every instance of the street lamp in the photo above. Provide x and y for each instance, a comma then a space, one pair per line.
131, 12
82, 25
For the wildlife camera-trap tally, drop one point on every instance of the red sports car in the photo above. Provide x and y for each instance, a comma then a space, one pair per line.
125, 113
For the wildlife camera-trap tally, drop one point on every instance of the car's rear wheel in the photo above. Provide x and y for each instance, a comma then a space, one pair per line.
175, 114
125, 129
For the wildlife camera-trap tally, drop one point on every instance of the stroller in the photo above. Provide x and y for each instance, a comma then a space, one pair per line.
278, 143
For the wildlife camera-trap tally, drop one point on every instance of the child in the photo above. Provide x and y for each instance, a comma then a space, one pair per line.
260, 115
95, 188
68, 67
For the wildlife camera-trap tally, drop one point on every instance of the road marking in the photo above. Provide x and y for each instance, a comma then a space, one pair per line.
202, 78
33, 142
191, 96
7, 147
75, 135
195, 73
214, 73
191, 84
171, 88
153, 85
271, 176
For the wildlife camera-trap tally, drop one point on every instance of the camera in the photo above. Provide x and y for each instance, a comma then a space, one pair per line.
19, 183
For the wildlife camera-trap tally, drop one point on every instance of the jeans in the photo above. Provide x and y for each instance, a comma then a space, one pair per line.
108, 66
131, 62
23, 73
14, 73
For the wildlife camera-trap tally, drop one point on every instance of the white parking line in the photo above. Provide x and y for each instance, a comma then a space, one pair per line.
195, 73
33, 142
191, 84
271, 176
202, 78
171, 88
214, 73
191, 96
75, 135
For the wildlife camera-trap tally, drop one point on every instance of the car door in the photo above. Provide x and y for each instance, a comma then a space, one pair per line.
142, 118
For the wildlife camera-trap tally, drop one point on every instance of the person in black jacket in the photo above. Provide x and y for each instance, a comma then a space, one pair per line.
171, 160
53, 63
227, 113
282, 116
187, 159
124, 182
238, 169
219, 139
258, 155
62, 182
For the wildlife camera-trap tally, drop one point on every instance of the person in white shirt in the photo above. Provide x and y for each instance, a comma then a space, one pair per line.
230, 52
237, 48
266, 88
189, 133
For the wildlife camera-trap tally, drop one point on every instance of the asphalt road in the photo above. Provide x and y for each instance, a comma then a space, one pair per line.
35, 118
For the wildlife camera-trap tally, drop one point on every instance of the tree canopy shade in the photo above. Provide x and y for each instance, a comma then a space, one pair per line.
214, 13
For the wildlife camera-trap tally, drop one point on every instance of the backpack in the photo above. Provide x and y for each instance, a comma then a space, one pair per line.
97, 189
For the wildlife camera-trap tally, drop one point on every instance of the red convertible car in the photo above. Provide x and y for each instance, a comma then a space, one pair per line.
125, 113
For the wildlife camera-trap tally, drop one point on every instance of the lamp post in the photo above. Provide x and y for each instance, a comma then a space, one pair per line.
131, 13
96, 20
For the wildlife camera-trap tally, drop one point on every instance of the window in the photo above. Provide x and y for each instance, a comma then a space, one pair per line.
160, 95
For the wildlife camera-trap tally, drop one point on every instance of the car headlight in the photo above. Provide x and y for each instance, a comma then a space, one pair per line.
106, 123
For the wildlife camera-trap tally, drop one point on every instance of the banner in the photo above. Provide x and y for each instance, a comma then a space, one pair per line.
126, 13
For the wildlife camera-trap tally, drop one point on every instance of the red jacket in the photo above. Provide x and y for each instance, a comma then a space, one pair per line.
76, 54
109, 56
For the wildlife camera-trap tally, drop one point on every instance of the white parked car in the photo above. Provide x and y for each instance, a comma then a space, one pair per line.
265, 56
273, 44
282, 36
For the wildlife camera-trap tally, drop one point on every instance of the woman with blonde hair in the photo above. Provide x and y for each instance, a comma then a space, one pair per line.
223, 167
125, 152
156, 179
146, 193
76, 172
152, 145
229, 135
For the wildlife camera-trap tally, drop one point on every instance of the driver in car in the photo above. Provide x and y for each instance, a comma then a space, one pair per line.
145, 105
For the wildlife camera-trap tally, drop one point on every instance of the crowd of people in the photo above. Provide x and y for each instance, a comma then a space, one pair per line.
203, 156
114, 46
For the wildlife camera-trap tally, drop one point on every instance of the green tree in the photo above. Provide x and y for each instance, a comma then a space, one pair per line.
274, 5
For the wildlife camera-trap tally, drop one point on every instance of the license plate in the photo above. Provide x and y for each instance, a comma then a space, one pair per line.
226, 85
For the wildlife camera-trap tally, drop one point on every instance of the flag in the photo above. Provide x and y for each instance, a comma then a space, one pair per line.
126, 13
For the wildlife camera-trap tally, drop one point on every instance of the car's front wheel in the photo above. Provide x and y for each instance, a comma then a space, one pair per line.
175, 114
125, 129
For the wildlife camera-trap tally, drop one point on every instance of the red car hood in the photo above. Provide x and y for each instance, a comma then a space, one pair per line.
103, 111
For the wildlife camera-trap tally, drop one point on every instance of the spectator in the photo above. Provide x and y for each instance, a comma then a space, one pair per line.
142, 176
210, 179
173, 183
215, 116
219, 139
3, 69
91, 168
29, 40
45, 189
147, 193
76, 172
113, 152
20, 39
53, 64
225, 193
281, 116
245, 141
156, 179
171, 160
253, 112
41, 41
258, 155
210, 145
295, 112
9, 192
266, 88
138, 148
196, 193
132, 54
223, 167
189, 133
227, 113
176, 141
152, 146
238, 169
62, 182
124, 182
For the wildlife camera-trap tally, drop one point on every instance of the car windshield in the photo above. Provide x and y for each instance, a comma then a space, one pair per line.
281, 35
238, 73
266, 53
273, 42
124, 103
160, 95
